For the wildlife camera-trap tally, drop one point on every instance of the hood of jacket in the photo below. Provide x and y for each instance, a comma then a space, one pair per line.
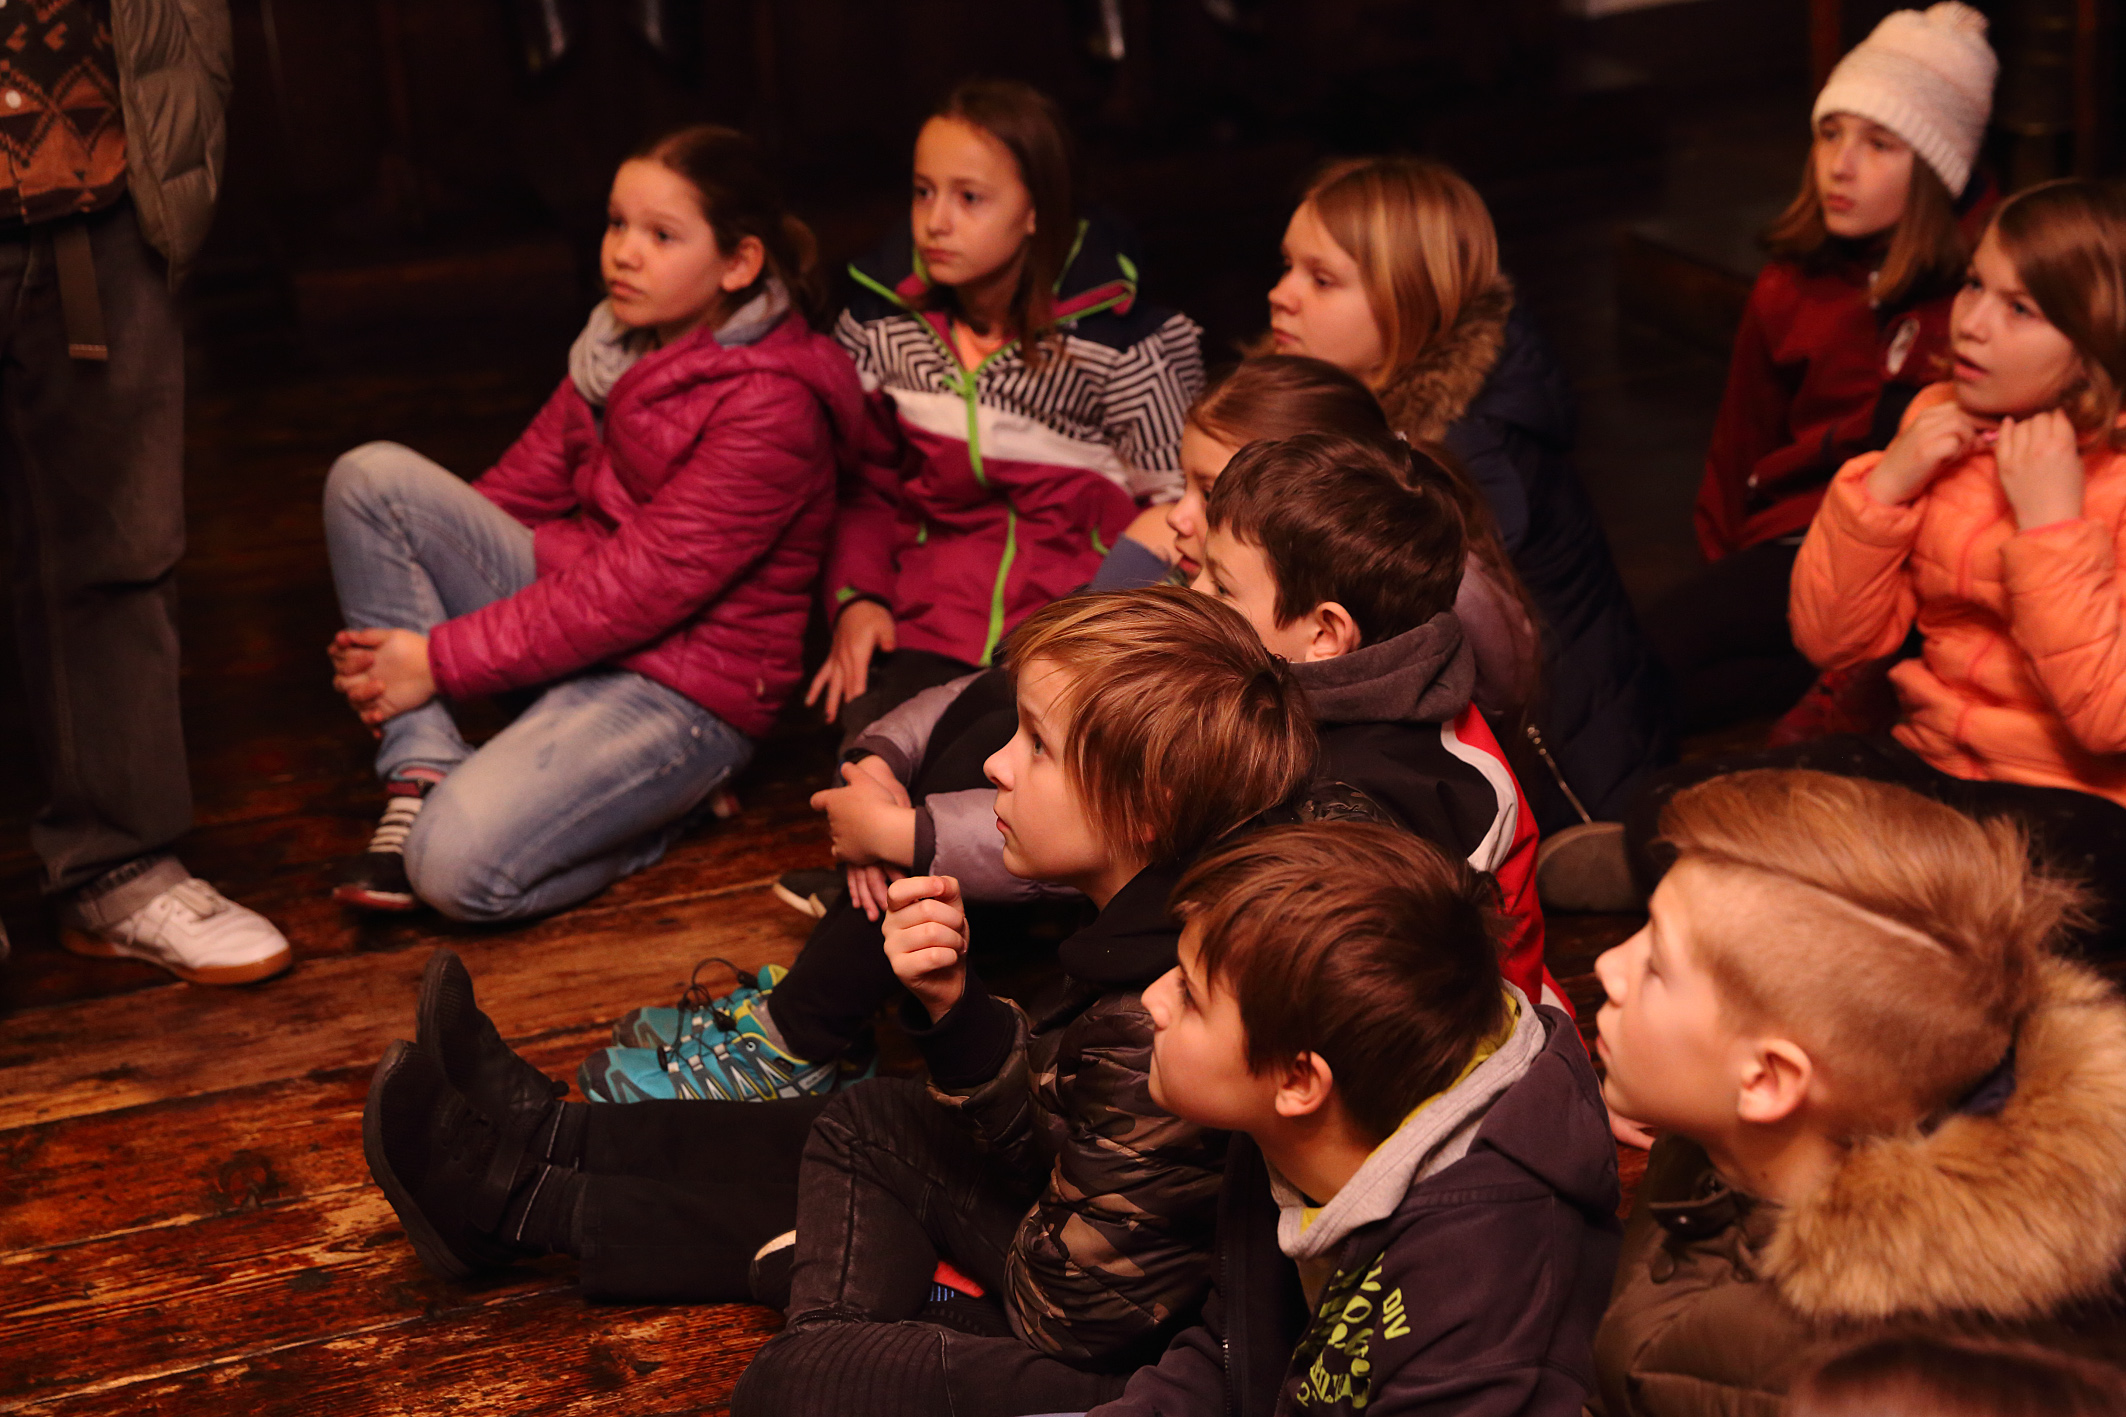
1425, 675
1133, 940
2012, 1215
1441, 384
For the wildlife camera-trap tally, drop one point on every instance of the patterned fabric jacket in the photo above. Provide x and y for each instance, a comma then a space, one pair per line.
1012, 482
1112, 1258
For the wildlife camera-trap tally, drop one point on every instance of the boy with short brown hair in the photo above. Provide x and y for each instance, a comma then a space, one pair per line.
1418, 1213
1884, 1098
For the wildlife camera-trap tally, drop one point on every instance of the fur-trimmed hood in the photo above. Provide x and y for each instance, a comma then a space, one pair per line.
2007, 1220
2012, 1216
1439, 387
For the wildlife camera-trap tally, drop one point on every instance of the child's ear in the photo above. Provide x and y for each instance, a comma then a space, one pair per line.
1304, 1086
1775, 1082
746, 263
1334, 632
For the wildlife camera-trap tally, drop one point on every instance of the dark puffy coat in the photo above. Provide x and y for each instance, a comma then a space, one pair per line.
1479, 1295
680, 535
1112, 1258
175, 60
2008, 1219
1491, 392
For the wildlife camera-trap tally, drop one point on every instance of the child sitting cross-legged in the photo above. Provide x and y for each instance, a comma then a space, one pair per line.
1036, 1162
1888, 1104
1419, 1211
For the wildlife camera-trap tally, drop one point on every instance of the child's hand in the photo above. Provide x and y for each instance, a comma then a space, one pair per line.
867, 887
866, 824
1625, 1130
1933, 440
875, 769
383, 673
863, 628
926, 940
2040, 469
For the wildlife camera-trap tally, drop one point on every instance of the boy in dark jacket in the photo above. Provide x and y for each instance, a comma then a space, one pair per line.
1419, 1213
1346, 561
1038, 1166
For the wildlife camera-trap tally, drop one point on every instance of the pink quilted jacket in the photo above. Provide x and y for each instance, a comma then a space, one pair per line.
680, 539
2023, 673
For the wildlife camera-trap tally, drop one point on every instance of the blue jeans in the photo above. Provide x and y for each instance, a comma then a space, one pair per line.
589, 784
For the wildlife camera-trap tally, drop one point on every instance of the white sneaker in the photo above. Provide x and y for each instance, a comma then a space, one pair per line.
195, 932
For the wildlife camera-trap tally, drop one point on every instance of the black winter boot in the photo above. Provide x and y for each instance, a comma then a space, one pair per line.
449, 1026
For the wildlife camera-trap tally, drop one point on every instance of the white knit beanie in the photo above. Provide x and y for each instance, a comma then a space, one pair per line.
1927, 76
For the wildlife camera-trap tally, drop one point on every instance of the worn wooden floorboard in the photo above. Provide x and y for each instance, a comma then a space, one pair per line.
542, 1352
221, 1153
75, 1059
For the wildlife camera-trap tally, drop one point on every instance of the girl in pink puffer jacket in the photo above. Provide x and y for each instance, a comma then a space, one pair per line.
642, 560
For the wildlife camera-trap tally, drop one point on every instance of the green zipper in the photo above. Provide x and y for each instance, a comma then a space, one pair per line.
996, 599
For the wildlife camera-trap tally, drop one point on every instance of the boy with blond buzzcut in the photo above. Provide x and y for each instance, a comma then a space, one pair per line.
1418, 1211
1037, 1162
1886, 1101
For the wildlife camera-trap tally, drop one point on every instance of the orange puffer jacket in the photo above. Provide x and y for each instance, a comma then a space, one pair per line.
2022, 677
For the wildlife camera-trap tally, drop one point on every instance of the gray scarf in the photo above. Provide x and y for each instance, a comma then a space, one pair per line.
607, 349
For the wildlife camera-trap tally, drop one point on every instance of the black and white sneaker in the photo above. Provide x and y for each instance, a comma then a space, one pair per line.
376, 880
810, 893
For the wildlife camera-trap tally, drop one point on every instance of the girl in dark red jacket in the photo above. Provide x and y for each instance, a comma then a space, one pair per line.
642, 560
1848, 320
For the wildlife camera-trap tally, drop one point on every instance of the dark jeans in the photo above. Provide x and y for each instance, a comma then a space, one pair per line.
1724, 637
93, 470
895, 679
2076, 832
842, 977
677, 1196
892, 1184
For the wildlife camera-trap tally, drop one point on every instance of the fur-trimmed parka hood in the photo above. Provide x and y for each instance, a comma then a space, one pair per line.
1445, 379
2013, 1215
2007, 1219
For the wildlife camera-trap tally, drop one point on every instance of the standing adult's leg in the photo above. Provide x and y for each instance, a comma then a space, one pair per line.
93, 465
591, 783
412, 545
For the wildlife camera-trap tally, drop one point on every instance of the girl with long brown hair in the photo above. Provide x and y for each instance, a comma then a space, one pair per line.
1034, 401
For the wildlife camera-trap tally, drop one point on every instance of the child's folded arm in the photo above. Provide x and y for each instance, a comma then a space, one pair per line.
1853, 598
901, 736
960, 831
531, 480
2063, 607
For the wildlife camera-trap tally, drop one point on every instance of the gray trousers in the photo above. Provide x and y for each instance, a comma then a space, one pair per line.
92, 468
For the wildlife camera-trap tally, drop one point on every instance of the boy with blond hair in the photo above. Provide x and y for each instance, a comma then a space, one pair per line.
1418, 1212
1885, 1099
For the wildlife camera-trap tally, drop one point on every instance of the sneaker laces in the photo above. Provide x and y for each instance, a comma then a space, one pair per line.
396, 823
697, 995
194, 895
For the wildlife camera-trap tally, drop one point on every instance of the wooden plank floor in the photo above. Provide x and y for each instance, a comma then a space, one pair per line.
186, 1222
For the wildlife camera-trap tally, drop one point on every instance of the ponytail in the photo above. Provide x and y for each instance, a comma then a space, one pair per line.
740, 198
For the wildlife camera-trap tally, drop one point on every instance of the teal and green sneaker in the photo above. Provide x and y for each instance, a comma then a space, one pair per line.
697, 1011
726, 1058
